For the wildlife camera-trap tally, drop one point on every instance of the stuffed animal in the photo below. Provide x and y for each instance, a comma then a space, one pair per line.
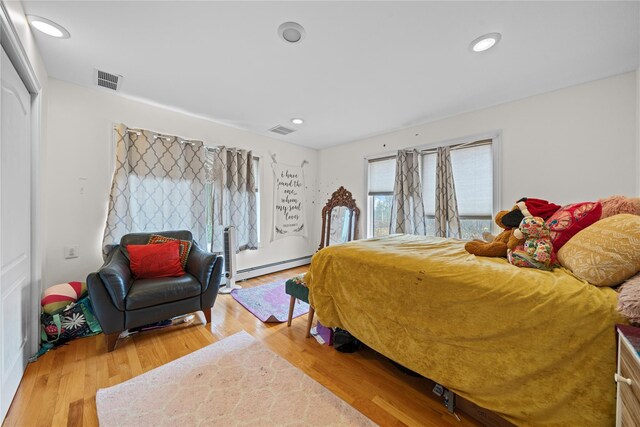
615, 205
515, 241
498, 246
537, 249
528, 206
509, 220
536, 207
525, 207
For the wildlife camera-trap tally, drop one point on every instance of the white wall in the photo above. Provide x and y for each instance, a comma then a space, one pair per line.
574, 144
79, 142
570, 145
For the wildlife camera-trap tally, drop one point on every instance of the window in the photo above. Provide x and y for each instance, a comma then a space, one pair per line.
473, 175
381, 176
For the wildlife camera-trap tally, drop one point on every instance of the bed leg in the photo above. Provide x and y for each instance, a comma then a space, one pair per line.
450, 400
310, 321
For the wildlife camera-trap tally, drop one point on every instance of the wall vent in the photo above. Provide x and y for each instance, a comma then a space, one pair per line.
281, 130
108, 80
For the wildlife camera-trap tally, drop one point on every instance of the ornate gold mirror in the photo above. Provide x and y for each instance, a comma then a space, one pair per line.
339, 219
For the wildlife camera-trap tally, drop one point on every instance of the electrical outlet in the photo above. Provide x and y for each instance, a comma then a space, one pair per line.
82, 184
71, 251
438, 390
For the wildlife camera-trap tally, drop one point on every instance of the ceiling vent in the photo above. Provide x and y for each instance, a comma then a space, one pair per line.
108, 80
281, 130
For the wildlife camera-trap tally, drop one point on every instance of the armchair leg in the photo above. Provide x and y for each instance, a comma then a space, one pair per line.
207, 314
111, 340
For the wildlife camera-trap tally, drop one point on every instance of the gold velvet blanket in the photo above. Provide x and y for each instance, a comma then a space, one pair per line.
536, 347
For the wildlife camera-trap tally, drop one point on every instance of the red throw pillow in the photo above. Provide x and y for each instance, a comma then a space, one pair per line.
157, 260
570, 219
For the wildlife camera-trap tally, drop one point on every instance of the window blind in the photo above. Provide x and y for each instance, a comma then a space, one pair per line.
473, 177
382, 174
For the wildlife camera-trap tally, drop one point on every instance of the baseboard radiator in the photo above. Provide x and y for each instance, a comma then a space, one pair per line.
248, 273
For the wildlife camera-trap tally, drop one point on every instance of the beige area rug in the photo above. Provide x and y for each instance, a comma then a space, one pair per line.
235, 381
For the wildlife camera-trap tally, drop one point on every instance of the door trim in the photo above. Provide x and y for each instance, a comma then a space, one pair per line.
10, 41
16, 53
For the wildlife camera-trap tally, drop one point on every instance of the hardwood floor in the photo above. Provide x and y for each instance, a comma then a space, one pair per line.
60, 388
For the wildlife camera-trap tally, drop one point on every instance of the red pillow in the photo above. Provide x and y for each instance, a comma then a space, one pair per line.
157, 260
570, 219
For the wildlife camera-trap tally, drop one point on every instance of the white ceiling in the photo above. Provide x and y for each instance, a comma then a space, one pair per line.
364, 68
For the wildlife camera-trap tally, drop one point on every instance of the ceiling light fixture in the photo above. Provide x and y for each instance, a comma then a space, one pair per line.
297, 121
48, 27
485, 42
291, 32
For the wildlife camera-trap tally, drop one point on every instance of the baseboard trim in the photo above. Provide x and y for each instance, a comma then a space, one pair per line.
260, 270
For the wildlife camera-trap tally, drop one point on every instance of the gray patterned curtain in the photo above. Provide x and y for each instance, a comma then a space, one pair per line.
447, 222
158, 185
233, 201
407, 213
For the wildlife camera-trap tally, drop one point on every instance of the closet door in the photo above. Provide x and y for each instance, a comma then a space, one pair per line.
15, 231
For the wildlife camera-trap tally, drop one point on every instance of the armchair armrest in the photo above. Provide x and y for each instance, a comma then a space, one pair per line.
201, 265
117, 278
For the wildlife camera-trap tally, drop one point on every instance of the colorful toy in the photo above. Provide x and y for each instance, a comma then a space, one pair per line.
536, 207
537, 249
57, 297
495, 248
499, 245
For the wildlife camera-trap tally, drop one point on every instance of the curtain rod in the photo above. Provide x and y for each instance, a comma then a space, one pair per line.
158, 135
392, 155
460, 146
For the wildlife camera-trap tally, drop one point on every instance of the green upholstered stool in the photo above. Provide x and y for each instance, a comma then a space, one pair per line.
298, 290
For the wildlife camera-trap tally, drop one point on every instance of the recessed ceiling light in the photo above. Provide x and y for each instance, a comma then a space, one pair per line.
297, 121
48, 27
291, 32
485, 42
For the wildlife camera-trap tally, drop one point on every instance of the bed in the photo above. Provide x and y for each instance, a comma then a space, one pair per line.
535, 347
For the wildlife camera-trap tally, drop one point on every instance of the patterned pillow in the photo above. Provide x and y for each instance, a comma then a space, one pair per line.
185, 246
567, 221
606, 253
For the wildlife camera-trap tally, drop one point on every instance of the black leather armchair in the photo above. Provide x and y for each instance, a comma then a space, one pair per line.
121, 302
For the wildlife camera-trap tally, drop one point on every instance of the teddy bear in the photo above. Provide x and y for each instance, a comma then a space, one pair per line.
497, 247
537, 249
